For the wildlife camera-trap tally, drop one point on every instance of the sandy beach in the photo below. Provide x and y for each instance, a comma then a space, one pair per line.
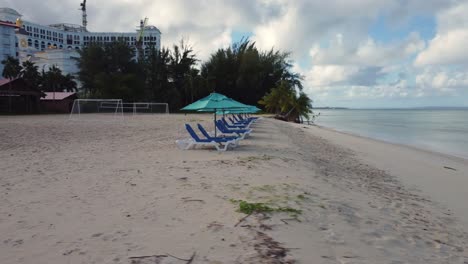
99, 190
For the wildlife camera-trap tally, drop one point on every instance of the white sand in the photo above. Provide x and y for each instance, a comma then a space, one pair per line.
103, 192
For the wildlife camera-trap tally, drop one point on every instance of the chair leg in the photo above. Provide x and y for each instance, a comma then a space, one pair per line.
189, 146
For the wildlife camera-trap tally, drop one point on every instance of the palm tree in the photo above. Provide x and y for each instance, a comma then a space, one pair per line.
279, 100
182, 60
12, 70
284, 102
247, 73
68, 83
52, 80
302, 107
30, 74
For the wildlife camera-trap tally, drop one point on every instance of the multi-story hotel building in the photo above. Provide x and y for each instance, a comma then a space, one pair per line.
7, 42
56, 44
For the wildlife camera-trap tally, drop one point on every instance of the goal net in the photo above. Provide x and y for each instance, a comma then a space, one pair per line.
146, 108
112, 107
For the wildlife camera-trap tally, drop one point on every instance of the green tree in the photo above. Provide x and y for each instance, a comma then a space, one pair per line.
111, 71
52, 80
182, 61
155, 67
69, 84
286, 104
30, 74
91, 63
12, 70
246, 73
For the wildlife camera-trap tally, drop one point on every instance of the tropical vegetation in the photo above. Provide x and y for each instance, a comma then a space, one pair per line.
176, 76
51, 80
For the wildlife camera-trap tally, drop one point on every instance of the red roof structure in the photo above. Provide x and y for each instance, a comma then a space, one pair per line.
18, 87
4, 81
17, 97
57, 95
8, 24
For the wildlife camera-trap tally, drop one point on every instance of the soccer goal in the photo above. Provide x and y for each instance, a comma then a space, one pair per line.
146, 108
113, 107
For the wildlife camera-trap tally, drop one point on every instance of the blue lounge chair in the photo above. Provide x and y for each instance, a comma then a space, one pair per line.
208, 136
243, 122
242, 133
219, 143
234, 125
248, 119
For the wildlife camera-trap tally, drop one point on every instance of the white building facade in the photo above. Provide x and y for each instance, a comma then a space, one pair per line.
8, 44
54, 44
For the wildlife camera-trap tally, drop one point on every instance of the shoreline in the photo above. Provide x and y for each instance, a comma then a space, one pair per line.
440, 176
413, 147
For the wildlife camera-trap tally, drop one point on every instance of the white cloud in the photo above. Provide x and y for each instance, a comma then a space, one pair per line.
440, 81
340, 51
444, 49
450, 43
333, 35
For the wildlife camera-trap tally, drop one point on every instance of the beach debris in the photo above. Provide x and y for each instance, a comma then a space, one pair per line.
269, 250
215, 226
263, 157
242, 219
157, 258
285, 220
261, 208
187, 199
449, 168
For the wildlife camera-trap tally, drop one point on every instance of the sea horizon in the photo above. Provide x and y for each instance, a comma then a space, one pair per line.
395, 108
439, 130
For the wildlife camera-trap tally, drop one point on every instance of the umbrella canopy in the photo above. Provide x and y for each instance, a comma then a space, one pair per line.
248, 110
214, 102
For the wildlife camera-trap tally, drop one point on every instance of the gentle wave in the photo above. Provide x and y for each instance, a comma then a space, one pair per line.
444, 131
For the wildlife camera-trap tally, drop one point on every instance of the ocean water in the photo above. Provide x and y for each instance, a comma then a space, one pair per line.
444, 131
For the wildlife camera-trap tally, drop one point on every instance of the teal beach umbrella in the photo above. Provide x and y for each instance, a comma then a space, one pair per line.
213, 103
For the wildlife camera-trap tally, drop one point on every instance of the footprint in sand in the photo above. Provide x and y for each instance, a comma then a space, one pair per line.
332, 237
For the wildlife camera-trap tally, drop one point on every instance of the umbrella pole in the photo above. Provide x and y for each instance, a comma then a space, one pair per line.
215, 121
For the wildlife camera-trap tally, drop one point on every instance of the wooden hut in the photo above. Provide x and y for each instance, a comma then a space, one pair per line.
58, 102
17, 97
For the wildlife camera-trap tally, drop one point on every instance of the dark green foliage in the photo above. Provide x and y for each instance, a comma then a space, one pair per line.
12, 69
249, 208
54, 81
111, 71
287, 103
241, 72
246, 74
51, 81
165, 75
31, 74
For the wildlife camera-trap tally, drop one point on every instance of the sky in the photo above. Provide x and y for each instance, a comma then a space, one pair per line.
352, 53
